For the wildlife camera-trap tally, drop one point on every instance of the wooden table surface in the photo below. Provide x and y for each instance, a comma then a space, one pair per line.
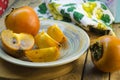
83, 68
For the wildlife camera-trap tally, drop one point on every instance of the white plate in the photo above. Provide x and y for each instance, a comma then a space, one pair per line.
78, 42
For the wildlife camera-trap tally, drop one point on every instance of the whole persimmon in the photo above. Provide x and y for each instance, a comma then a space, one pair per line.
105, 53
23, 19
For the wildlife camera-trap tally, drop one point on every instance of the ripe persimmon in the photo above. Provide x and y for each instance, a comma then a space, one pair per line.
23, 20
105, 53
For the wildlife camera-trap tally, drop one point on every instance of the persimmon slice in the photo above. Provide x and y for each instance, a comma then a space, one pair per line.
43, 55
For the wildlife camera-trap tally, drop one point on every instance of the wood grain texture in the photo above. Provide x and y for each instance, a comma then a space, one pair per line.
115, 75
11, 71
116, 28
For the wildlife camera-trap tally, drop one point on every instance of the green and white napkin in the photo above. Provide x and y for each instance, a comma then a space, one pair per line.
89, 14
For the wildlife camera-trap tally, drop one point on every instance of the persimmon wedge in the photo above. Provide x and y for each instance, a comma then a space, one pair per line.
43, 55
56, 33
15, 44
43, 40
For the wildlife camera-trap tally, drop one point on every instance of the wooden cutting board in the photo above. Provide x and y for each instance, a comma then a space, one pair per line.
12, 71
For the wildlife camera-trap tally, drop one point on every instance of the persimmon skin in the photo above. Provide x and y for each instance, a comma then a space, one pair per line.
110, 60
23, 20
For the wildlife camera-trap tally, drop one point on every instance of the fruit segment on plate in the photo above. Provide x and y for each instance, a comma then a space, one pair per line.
15, 44
43, 55
55, 32
43, 40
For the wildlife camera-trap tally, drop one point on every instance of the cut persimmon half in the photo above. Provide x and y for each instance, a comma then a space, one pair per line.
15, 44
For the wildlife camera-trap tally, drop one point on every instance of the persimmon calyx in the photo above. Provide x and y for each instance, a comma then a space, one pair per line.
96, 51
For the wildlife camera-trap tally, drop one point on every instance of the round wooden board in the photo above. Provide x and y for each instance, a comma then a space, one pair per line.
12, 71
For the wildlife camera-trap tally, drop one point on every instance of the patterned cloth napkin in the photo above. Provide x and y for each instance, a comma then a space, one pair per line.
89, 14
3, 6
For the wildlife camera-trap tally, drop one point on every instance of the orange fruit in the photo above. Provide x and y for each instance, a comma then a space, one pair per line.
56, 33
23, 20
43, 55
43, 40
105, 53
15, 44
